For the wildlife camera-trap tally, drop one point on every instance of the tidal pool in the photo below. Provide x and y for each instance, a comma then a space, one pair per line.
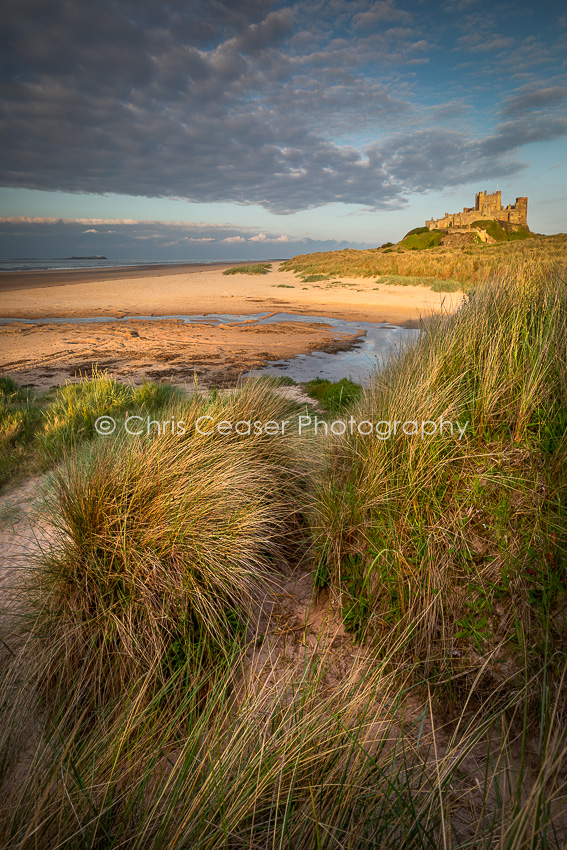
358, 364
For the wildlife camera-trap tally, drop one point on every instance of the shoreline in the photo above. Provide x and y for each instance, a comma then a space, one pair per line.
23, 279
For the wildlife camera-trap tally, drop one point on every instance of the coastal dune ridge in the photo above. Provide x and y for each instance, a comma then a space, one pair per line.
257, 611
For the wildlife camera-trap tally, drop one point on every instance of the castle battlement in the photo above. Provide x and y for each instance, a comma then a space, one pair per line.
487, 206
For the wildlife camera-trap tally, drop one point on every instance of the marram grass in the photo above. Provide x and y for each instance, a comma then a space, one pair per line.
469, 266
37, 430
162, 544
461, 542
254, 268
284, 757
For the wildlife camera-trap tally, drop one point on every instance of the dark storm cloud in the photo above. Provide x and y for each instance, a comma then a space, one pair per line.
433, 159
245, 101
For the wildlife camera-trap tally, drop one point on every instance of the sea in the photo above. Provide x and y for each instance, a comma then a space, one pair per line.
26, 264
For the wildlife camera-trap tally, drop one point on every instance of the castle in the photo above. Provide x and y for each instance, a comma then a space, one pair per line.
487, 206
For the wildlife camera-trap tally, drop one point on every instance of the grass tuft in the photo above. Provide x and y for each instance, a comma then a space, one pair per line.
163, 542
255, 268
334, 395
20, 418
37, 430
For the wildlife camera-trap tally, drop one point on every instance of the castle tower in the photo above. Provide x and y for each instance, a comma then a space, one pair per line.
521, 207
488, 203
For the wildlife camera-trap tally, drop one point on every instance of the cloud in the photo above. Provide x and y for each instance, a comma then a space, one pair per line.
145, 240
149, 230
478, 43
21, 219
451, 110
40, 219
262, 237
185, 239
103, 97
433, 159
535, 99
286, 106
52, 237
378, 14
512, 135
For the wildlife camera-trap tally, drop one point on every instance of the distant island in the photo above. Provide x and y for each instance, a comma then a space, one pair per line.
96, 257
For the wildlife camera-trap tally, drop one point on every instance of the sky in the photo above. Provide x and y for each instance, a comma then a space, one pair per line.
202, 129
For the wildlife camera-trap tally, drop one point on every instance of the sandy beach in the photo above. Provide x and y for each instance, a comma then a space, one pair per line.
43, 355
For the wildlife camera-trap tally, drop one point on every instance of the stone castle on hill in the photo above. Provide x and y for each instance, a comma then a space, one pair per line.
487, 206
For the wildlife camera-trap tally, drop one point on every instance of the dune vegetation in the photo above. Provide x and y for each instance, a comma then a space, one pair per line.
152, 693
508, 233
37, 429
421, 238
253, 268
470, 266
458, 540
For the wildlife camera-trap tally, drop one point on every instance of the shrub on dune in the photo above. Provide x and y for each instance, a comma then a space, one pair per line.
253, 268
19, 419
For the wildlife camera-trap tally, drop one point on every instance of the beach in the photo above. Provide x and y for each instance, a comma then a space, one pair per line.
160, 348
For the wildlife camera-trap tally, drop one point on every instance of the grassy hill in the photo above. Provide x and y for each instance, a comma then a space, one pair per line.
509, 233
421, 238
469, 265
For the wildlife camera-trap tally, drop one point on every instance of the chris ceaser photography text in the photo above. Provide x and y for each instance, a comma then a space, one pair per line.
205, 425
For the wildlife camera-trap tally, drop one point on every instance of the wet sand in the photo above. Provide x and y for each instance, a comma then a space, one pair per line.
165, 350
43, 355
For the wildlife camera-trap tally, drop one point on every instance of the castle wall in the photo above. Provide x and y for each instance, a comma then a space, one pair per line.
487, 206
